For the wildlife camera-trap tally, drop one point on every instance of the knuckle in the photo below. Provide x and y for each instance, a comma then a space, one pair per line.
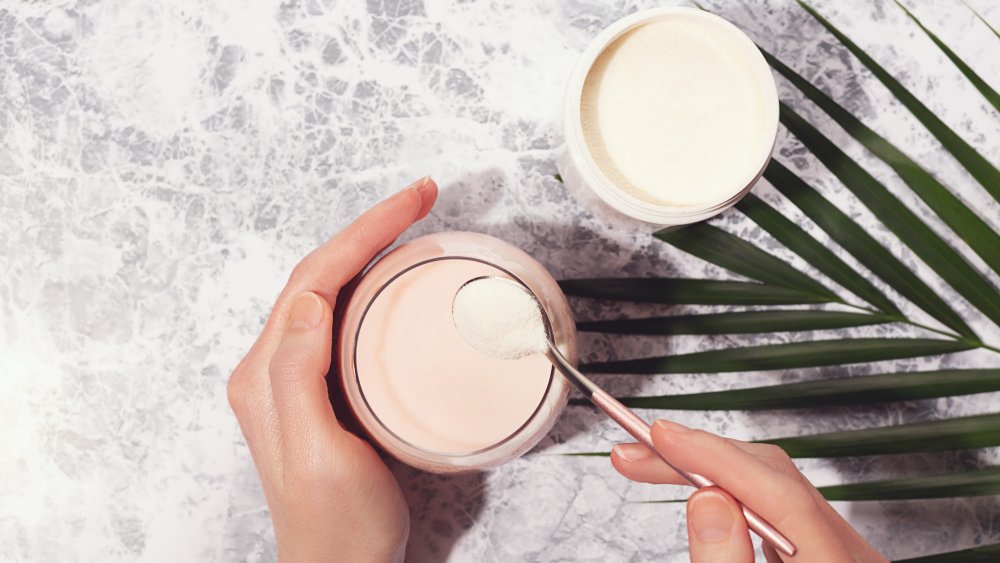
297, 273
776, 452
776, 458
236, 391
302, 269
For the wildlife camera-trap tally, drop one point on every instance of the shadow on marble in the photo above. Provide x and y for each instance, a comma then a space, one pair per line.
926, 527
468, 203
901, 466
443, 508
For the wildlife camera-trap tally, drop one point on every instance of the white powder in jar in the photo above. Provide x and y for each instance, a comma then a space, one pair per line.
674, 112
500, 318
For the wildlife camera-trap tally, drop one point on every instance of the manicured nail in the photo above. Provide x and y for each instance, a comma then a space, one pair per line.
710, 517
307, 312
424, 187
667, 426
421, 183
632, 452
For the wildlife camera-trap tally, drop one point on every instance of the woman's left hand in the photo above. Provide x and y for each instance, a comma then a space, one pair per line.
331, 498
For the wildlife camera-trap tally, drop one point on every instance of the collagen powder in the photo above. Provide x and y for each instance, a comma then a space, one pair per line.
499, 318
674, 113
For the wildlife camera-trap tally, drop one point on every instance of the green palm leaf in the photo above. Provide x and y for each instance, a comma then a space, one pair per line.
975, 163
913, 232
856, 240
688, 291
778, 278
735, 254
982, 19
983, 240
984, 554
812, 251
980, 431
736, 322
980, 482
989, 93
844, 391
784, 356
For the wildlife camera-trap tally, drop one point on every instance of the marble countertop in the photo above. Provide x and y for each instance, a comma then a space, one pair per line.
163, 165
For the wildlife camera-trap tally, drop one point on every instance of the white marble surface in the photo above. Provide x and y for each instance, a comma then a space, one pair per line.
164, 164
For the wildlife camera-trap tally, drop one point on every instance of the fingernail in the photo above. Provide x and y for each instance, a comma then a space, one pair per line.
667, 426
424, 187
306, 313
421, 183
632, 452
710, 517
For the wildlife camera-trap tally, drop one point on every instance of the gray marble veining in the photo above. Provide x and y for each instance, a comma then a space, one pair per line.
163, 165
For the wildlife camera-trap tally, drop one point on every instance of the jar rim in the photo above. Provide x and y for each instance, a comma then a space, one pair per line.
599, 182
361, 389
505, 259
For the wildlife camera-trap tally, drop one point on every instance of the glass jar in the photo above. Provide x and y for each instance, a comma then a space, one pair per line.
417, 389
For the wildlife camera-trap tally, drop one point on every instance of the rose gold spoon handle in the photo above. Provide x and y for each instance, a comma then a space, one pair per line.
639, 430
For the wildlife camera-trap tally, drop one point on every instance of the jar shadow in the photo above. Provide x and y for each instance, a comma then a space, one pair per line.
442, 509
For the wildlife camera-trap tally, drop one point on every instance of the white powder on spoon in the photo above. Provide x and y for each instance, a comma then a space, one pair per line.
500, 318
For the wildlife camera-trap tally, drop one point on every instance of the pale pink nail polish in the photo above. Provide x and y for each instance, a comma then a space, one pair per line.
416, 185
307, 312
633, 452
710, 517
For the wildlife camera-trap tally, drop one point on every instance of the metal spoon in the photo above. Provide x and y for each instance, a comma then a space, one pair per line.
639, 430
634, 425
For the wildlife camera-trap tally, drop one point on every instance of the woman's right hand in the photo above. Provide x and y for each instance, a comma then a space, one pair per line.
763, 477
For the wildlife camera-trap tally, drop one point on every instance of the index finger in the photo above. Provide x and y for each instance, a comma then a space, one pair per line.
326, 269
787, 501
638, 463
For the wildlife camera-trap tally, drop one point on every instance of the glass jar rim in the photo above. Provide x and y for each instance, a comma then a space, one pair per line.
402, 442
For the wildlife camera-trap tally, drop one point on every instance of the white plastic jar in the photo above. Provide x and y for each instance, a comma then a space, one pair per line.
694, 59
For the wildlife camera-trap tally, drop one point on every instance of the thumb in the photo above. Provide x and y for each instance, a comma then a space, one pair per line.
717, 531
298, 371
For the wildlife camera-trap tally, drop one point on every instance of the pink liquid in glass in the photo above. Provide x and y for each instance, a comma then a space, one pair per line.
425, 382
420, 391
